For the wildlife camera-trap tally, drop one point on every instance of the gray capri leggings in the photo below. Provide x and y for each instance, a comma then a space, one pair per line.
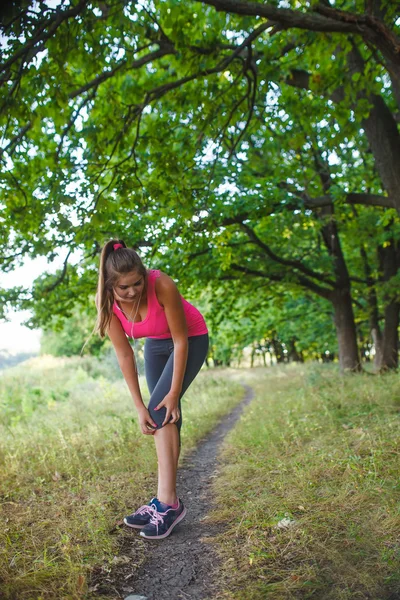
158, 364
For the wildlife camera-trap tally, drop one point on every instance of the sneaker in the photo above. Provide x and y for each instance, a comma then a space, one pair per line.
142, 516
162, 523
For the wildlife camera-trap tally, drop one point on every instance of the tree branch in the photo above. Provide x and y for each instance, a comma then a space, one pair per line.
12, 143
289, 263
255, 272
160, 91
327, 19
53, 24
72, 120
312, 21
352, 198
164, 50
61, 277
314, 287
303, 281
251, 94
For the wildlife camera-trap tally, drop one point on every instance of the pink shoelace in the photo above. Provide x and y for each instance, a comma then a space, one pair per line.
156, 517
146, 509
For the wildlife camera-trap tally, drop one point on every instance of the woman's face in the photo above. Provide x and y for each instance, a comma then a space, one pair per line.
129, 287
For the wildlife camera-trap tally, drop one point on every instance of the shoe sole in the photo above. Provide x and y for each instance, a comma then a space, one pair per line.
134, 526
166, 534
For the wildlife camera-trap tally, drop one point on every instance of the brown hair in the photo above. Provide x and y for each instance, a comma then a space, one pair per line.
113, 264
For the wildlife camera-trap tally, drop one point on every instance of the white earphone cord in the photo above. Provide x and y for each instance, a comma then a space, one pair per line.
133, 322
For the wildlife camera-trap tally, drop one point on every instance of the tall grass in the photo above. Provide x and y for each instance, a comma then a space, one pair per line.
310, 488
72, 463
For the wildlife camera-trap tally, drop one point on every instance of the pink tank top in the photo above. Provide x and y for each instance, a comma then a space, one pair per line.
155, 324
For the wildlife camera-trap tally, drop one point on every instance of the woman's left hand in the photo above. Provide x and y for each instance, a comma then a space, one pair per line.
170, 403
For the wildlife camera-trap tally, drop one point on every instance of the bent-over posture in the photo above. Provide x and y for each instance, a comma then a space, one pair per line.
135, 302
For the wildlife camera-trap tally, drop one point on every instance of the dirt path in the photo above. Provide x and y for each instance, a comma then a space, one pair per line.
182, 565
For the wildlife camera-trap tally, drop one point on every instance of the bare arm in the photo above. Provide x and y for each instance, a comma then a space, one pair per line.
169, 297
126, 361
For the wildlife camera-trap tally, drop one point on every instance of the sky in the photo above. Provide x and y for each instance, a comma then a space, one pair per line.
14, 337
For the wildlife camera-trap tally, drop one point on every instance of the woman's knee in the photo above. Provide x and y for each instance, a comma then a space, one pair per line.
168, 427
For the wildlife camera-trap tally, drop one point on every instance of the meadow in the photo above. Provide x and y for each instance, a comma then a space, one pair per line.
73, 463
309, 491
308, 487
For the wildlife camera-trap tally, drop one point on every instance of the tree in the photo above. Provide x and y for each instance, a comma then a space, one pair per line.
270, 318
67, 336
196, 89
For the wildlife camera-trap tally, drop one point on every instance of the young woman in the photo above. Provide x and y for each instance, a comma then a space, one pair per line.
135, 302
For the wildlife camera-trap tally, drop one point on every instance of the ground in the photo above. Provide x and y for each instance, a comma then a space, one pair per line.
184, 565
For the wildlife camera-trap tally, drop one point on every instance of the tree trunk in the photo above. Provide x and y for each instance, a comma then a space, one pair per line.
264, 355
349, 359
253, 353
278, 350
390, 343
340, 297
382, 133
375, 329
293, 354
373, 311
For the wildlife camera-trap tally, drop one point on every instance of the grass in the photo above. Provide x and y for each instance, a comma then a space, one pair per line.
309, 490
72, 463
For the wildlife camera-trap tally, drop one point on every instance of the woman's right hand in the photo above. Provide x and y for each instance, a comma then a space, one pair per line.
147, 425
